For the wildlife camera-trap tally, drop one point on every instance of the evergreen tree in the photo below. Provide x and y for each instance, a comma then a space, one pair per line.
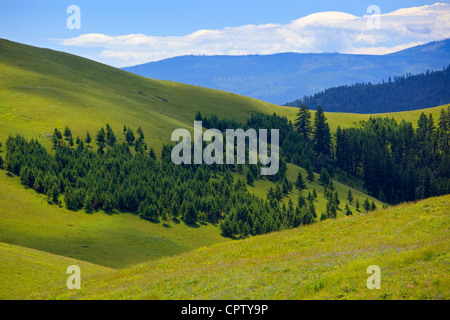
310, 175
322, 135
190, 216
250, 179
350, 196
357, 205
88, 139
101, 136
324, 178
303, 122
299, 183
348, 212
67, 133
130, 136
336, 200
366, 205
110, 137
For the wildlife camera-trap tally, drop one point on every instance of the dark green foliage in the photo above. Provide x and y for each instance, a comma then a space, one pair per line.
324, 178
129, 136
348, 212
191, 215
350, 196
117, 179
88, 139
67, 133
310, 172
303, 122
2, 162
397, 95
110, 137
336, 200
322, 135
366, 205
299, 183
397, 162
250, 178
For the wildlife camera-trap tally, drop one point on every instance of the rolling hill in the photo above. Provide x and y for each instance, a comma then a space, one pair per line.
24, 270
42, 89
284, 77
328, 260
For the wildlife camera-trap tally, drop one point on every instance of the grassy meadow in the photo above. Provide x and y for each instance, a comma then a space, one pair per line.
327, 260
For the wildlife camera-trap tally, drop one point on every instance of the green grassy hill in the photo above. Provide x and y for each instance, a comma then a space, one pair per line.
117, 240
24, 270
328, 260
41, 89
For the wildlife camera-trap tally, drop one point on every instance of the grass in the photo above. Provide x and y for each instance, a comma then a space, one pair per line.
41, 89
328, 260
117, 240
24, 271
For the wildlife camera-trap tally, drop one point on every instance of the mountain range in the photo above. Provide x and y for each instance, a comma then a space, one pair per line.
280, 78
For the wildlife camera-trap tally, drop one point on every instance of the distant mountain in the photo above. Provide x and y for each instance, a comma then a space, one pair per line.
404, 93
284, 77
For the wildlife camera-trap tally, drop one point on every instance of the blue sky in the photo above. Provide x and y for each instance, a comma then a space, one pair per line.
162, 24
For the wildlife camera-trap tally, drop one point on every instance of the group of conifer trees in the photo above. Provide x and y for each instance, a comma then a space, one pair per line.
113, 176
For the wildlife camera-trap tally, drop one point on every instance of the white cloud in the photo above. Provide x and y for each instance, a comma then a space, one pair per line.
319, 32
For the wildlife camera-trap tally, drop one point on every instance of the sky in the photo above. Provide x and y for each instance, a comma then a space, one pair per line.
125, 33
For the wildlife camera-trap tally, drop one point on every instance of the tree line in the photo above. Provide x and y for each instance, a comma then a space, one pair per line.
430, 89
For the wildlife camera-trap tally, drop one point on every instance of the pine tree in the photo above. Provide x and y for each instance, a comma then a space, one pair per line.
357, 205
348, 212
88, 139
324, 178
366, 205
190, 216
322, 135
101, 136
130, 136
300, 184
350, 196
303, 122
336, 200
67, 133
250, 179
373, 206
310, 175
110, 137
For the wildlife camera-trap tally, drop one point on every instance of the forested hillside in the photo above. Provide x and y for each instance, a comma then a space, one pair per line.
403, 93
284, 77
